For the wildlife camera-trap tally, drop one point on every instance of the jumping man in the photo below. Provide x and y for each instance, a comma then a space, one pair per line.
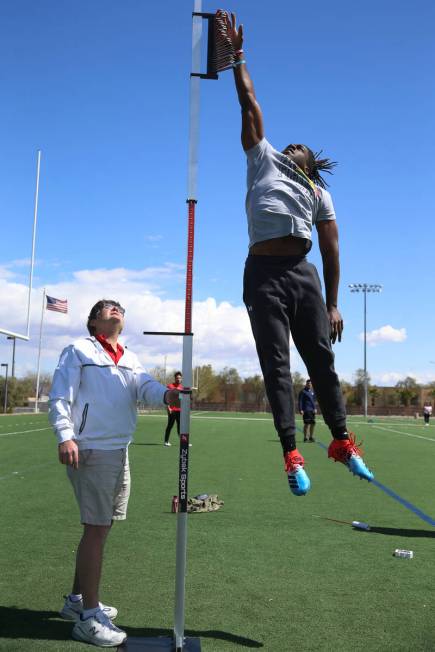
282, 292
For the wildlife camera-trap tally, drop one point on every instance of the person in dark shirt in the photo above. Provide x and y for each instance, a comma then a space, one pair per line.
307, 407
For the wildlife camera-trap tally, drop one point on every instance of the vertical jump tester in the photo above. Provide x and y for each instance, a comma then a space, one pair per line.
220, 56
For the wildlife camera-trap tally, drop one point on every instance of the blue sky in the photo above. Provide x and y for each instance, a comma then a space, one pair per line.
103, 88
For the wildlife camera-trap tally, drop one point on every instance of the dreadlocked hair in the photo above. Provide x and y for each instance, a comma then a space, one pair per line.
318, 165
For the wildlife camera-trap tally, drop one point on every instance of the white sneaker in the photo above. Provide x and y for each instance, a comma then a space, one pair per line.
167, 443
98, 630
72, 610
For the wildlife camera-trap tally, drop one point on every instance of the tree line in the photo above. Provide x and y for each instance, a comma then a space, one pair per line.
227, 388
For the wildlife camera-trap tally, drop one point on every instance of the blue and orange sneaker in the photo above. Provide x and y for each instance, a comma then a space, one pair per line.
348, 453
298, 480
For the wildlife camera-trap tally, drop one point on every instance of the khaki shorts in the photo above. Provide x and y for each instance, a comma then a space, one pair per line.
101, 485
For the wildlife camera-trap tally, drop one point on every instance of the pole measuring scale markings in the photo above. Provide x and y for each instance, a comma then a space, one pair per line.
220, 56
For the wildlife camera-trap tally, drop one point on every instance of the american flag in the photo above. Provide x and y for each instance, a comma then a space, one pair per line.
58, 305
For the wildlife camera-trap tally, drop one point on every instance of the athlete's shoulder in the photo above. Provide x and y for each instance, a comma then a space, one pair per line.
325, 205
254, 154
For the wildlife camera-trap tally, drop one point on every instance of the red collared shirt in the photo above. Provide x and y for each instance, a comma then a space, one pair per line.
115, 355
174, 408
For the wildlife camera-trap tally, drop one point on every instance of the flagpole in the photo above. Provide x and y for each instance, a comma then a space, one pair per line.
39, 351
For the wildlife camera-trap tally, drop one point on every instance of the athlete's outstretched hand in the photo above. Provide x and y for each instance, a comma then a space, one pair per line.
336, 322
235, 34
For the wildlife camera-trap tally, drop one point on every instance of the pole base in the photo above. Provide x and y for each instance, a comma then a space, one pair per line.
158, 644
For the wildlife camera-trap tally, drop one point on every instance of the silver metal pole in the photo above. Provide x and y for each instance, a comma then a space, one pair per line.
35, 219
181, 554
10, 337
364, 288
32, 260
5, 403
39, 351
13, 357
194, 103
365, 354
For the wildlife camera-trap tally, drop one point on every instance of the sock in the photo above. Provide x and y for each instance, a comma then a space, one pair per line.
339, 433
288, 443
88, 613
75, 597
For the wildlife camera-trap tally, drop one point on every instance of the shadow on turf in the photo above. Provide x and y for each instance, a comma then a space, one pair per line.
399, 532
47, 625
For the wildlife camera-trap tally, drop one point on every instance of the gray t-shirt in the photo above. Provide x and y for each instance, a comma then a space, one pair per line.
281, 200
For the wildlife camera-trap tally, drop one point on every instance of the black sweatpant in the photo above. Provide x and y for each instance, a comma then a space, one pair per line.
283, 294
172, 418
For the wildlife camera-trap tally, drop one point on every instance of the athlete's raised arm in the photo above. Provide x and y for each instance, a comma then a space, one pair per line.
252, 117
328, 245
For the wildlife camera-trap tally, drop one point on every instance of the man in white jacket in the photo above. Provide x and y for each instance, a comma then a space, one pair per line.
96, 386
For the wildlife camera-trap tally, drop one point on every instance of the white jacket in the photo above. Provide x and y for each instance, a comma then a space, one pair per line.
93, 400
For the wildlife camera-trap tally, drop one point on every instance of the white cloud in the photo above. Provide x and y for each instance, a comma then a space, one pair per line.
390, 378
222, 333
385, 334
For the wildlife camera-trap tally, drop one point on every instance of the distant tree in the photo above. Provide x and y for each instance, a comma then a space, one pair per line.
229, 384
359, 386
298, 383
21, 389
254, 391
374, 393
408, 390
431, 388
348, 392
159, 373
208, 384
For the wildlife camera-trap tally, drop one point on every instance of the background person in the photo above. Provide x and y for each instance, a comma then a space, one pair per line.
427, 411
173, 410
93, 412
286, 196
307, 407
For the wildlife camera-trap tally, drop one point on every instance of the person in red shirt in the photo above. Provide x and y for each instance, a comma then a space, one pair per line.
173, 410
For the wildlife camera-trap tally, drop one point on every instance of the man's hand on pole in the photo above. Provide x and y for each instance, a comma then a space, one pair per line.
69, 453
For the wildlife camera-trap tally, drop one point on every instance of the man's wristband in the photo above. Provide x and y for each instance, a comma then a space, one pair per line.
238, 63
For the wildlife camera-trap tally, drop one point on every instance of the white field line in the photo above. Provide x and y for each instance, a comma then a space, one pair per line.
11, 425
386, 423
23, 432
163, 416
406, 434
199, 415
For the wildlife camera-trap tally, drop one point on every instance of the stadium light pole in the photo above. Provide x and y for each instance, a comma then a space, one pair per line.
12, 337
5, 407
364, 288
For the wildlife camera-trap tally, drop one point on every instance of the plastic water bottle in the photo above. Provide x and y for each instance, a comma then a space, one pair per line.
406, 554
360, 526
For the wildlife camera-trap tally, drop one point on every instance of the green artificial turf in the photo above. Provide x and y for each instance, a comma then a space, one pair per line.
268, 571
